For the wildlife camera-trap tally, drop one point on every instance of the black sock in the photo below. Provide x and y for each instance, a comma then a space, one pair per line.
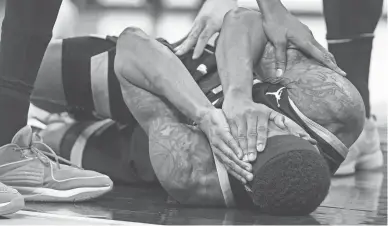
354, 58
13, 114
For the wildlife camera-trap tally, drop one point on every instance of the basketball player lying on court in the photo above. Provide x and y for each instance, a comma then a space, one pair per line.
290, 177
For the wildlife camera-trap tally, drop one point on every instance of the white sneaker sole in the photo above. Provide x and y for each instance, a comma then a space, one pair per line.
371, 161
366, 162
13, 206
347, 169
51, 195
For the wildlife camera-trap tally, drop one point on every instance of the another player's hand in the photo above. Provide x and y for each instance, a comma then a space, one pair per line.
248, 123
285, 123
206, 24
224, 146
281, 28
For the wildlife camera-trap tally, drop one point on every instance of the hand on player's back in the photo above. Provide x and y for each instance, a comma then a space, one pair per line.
224, 146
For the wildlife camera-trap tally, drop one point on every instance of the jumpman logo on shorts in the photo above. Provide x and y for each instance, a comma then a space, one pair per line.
277, 94
202, 68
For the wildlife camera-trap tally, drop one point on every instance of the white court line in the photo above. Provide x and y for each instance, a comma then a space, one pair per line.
84, 220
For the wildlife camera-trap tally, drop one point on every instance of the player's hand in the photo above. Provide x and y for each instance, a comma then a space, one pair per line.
224, 146
285, 123
206, 24
282, 28
248, 123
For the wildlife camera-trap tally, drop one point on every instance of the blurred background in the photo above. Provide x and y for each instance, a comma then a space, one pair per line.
172, 19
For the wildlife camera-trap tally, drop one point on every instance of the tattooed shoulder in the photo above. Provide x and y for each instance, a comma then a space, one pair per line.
325, 97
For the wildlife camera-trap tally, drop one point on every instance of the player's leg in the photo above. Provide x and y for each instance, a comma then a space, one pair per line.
26, 32
48, 93
77, 75
120, 152
27, 29
350, 32
180, 154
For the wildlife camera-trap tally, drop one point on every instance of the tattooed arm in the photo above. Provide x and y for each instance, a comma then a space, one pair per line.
135, 49
180, 154
148, 64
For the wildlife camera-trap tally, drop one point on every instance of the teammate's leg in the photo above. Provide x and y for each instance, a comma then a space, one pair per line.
26, 32
350, 32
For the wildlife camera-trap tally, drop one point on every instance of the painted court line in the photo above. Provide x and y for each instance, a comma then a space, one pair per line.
81, 220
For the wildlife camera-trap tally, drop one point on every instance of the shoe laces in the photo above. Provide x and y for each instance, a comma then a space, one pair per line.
43, 156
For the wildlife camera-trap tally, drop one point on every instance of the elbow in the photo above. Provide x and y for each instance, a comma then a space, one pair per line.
241, 16
130, 44
128, 48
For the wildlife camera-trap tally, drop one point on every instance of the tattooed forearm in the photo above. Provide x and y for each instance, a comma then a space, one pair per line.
180, 154
183, 163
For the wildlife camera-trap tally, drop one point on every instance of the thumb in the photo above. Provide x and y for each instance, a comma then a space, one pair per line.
191, 39
203, 39
281, 57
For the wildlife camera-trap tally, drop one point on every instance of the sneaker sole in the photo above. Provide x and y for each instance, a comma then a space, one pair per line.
51, 195
371, 161
347, 169
11, 207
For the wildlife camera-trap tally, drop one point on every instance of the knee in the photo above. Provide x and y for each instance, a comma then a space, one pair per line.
133, 33
131, 38
242, 15
130, 41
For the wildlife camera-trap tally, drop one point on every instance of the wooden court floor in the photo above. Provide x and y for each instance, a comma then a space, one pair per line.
352, 200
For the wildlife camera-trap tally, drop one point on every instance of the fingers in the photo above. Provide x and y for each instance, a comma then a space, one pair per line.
239, 168
191, 39
324, 57
235, 175
278, 119
298, 131
261, 128
229, 141
234, 167
203, 39
233, 131
252, 137
242, 136
323, 49
281, 56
